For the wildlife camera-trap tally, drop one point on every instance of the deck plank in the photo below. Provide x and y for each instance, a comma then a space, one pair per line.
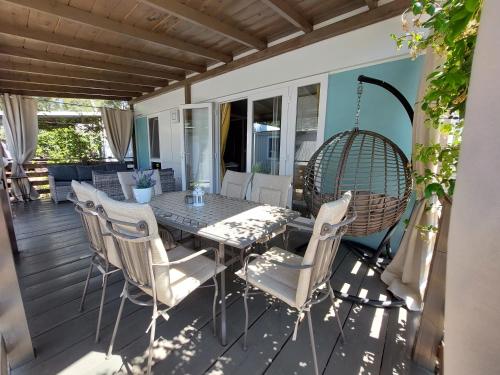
52, 268
365, 332
296, 357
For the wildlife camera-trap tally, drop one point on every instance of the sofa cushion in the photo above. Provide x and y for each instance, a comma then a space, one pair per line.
63, 172
116, 167
84, 172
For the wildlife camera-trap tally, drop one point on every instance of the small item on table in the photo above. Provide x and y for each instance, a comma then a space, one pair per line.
198, 194
188, 199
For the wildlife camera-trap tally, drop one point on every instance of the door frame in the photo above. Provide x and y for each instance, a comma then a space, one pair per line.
215, 156
284, 92
322, 79
288, 128
153, 115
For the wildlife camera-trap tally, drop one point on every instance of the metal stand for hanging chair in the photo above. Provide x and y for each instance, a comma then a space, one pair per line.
373, 257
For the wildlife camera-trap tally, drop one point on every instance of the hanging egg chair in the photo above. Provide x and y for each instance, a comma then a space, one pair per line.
372, 167
378, 174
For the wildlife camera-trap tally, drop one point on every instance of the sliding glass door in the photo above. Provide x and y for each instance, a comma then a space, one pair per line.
198, 152
305, 134
266, 136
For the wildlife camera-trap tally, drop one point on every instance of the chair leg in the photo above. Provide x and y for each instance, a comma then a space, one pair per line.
336, 311
214, 306
151, 342
285, 237
86, 287
103, 296
245, 301
313, 344
115, 330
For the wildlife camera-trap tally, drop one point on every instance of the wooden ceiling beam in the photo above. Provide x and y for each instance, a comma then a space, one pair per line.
64, 89
286, 11
85, 45
53, 94
372, 4
381, 13
201, 19
6, 75
140, 83
107, 24
77, 61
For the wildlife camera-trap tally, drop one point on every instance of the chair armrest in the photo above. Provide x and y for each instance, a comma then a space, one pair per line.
282, 264
190, 257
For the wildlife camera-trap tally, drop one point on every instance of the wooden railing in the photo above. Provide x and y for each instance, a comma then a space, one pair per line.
37, 173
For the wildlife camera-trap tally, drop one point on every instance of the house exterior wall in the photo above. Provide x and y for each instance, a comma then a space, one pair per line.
368, 51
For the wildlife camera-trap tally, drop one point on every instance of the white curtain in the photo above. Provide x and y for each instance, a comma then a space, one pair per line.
21, 130
406, 275
118, 126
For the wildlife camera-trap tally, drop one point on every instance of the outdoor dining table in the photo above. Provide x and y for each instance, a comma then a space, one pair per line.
228, 221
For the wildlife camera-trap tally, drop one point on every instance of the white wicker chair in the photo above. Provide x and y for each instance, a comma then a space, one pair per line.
166, 279
127, 182
235, 184
299, 281
105, 257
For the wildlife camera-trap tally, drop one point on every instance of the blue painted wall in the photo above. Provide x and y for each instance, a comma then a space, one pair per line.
380, 111
141, 143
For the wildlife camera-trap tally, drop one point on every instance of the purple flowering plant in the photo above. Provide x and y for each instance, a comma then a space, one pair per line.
144, 179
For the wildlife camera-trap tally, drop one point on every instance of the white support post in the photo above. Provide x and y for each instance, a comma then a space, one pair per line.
472, 311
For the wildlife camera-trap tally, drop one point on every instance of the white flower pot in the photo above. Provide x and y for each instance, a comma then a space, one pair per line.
143, 195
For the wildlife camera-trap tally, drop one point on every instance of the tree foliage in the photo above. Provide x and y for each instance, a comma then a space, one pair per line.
71, 143
70, 139
450, 28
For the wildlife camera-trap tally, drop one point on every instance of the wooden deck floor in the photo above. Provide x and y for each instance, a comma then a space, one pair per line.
52, 270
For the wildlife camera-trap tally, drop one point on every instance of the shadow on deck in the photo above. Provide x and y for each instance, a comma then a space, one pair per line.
52, 268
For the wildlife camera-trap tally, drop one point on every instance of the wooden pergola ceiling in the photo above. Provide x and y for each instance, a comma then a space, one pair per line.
127, 48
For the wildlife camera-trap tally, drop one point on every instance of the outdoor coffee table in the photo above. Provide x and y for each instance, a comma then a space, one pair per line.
229, 221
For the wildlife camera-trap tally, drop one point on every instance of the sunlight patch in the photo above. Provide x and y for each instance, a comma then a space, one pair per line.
356, 267
86, 363
377, 320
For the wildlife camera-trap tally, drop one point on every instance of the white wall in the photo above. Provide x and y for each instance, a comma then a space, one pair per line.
160, 103
365, 46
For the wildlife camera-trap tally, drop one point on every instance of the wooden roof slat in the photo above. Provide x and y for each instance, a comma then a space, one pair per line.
92, 46
77, 61
107, 24
64, 89
56, 94
372, 4
7, 75
343, 26
285, 10
142, 83
194, 16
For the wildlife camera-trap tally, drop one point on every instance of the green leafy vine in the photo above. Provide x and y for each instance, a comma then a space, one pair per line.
450, 28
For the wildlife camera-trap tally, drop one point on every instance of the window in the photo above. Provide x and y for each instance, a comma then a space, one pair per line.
273, 150
266, 135
154, 138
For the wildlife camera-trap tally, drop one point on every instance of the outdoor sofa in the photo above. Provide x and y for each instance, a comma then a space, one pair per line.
61, 175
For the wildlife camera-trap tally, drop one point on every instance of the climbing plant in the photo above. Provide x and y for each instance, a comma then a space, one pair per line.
450, 28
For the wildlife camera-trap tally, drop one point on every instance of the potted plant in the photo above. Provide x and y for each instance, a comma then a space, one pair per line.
144, 186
